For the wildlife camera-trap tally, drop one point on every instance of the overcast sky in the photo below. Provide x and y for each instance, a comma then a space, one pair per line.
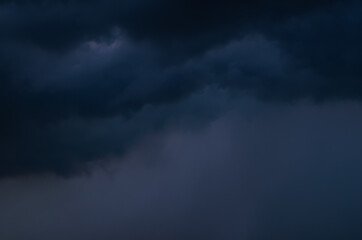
158, 119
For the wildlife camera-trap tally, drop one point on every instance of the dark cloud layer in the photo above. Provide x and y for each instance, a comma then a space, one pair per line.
85, 80
68, 22
157, 119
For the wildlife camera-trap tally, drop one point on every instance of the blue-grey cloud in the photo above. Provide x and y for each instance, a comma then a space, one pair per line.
262, 171
70, 68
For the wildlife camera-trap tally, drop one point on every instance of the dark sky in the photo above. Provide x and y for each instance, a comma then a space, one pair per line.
155, 119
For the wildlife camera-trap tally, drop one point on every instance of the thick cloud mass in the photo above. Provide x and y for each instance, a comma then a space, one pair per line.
85, 80
162, 120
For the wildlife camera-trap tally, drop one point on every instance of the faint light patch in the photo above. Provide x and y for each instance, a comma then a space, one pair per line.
103, 46
79, 66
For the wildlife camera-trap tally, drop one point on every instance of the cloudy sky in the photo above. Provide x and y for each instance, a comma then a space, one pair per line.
159, 120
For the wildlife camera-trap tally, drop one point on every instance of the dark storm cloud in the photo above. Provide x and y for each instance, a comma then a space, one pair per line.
327, 41
57, 24
76, 74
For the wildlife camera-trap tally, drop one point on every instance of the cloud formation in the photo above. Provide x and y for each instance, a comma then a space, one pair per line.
86, 80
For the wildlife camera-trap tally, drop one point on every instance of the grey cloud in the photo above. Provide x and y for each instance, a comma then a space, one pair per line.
262, 171
96, 62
